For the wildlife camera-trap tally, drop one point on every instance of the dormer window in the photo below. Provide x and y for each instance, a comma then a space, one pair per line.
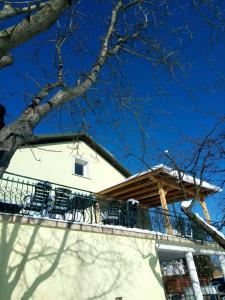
81, 167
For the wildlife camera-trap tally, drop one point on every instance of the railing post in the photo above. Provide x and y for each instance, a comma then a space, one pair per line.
204, 208
162, 195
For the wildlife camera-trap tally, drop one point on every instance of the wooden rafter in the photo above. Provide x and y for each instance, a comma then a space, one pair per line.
132, 189
128, 182
136, 194
146, 196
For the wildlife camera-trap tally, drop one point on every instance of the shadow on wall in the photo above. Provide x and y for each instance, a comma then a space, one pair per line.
33, 264
150, 253
16, 254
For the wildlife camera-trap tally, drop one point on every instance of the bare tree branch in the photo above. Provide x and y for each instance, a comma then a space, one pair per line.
9, 11
15, 35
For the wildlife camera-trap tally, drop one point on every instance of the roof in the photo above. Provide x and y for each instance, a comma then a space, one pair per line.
74, 137
176, 174
144, 186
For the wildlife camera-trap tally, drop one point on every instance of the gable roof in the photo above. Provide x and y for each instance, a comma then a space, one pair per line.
74, 137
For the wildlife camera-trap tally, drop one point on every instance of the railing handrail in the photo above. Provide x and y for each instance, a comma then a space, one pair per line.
41, 180
171, 214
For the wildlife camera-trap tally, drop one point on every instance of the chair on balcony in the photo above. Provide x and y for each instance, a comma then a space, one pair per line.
130, 215
113, 214
10, 207
61, 202
78, 207
38, 201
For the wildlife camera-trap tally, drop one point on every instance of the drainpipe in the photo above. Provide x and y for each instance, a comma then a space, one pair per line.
194, 276
222, 264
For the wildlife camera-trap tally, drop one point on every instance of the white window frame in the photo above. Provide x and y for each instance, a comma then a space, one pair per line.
85, 164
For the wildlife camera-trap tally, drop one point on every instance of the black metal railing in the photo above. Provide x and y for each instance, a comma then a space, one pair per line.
181, 225
33, 197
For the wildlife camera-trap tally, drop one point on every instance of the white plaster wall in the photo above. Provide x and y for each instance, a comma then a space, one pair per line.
55, 162
64, 264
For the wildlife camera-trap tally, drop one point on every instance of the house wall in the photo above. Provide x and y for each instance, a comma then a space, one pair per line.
55, 163
54, 263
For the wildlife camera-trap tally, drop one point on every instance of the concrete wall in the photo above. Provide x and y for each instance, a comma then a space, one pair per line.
51, 263
55, 162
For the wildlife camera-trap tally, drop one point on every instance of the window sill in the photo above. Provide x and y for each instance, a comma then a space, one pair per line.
86, 177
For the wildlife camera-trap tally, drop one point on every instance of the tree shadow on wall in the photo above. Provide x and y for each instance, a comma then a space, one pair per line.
150, 253
29, 259
16, 254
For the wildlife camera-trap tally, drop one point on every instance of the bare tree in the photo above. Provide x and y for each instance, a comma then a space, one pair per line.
208, 163
204, 162
142, 29
139, 28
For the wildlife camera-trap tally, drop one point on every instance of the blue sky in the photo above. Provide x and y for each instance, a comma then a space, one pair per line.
170, 112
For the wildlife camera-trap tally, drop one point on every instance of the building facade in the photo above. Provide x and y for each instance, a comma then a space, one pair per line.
62, 240
72, 160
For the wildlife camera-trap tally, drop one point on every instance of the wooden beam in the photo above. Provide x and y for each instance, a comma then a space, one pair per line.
171, 197
185, 187
155, 200
147, 192
128, 182
178, 195
149, 203
132, 191
123, 184
162, 195
204, 208
130, 188
136, 194
97, 213
156, 203
146, 196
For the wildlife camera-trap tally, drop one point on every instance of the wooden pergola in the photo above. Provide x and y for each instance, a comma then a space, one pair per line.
160, 186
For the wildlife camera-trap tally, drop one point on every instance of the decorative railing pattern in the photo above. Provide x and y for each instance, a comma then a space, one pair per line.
181, 225
38, 198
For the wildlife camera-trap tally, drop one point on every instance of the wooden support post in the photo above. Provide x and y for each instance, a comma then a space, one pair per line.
204, 208
162, 195
97, 212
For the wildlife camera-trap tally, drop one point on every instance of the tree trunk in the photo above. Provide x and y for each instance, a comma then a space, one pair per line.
11, 138
218, 238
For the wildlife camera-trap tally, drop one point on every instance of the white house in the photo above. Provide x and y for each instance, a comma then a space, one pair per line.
69, 159
46, 252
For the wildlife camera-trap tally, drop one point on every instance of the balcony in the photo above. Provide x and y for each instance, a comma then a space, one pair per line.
35, 198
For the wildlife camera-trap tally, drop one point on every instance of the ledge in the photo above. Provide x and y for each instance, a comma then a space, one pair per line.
96, 228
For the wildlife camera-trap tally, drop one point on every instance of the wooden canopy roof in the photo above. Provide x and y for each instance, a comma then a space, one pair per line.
144, 187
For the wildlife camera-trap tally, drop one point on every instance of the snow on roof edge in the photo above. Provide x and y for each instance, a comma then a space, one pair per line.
176, 174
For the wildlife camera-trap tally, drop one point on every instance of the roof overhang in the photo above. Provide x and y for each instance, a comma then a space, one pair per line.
144, 187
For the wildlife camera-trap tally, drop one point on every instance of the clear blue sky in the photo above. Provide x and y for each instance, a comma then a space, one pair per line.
170, 111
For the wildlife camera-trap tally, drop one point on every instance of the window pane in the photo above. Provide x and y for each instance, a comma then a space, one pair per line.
79, 169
